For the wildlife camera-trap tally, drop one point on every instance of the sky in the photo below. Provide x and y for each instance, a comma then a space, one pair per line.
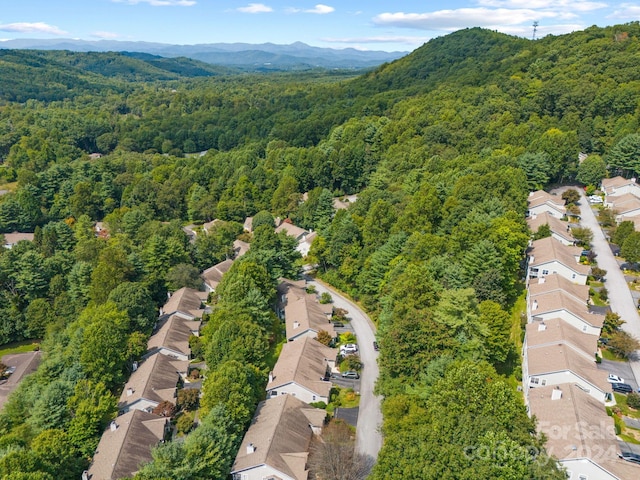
363, 24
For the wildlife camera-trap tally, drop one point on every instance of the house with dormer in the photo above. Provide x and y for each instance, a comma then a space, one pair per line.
303, 370
301, 311
276, 445
548, 256
541, 201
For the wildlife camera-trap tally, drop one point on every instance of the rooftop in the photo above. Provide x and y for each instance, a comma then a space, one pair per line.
186, 300
155, 379
305, 363
173, 332
549, 249
557, 331
123, 448
302, 310
279, 436
557, 226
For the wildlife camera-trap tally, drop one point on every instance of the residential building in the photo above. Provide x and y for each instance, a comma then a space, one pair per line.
579, 433
560, 363
625, 207
171, 337
12, 239
185, 303
154, 381
301, 311
276, 445
303, 370
548, 256
559, 304
213, 276
616, 186
126, 445
541, 201
560, 230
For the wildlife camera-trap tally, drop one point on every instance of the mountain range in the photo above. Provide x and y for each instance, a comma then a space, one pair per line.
265, 56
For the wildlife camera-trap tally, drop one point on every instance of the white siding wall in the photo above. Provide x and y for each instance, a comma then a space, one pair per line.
261, 472
566, 376
299, 392
571, 319
560, 269
586, 467
140, 404
546, 208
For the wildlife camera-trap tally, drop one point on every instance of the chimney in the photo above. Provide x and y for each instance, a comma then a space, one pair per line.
541, 280
85, 475
542, 327
556, 394
134, 367
534, 306
113, 426
251, 448
296, 324
129, 391
270, 377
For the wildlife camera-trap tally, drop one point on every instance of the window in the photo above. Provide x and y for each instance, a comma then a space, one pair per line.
545, 272
314, 398
584, 328
543, 382
582, 477
573, 276
274, 393
534, 380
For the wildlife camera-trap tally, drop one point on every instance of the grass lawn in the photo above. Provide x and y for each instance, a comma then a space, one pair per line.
20, 347
621, 403
609, 355
342, 397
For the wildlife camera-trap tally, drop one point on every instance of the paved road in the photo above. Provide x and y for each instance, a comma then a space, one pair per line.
368, 435
620, 297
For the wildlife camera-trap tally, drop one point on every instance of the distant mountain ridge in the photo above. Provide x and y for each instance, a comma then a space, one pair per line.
272, 56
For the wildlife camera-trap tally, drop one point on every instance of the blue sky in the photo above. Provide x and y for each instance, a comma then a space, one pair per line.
362, 24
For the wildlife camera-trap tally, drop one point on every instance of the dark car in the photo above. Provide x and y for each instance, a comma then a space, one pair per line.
622, 387
338, 324
350, 374
630, 457
375, 346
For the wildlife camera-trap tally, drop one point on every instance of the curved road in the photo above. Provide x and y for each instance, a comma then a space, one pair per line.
620, 298
368, 436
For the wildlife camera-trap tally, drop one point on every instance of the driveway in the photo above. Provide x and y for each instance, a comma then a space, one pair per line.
620, 297
368, 434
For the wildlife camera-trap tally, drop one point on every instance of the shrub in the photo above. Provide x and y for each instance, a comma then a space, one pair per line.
188, 398
311, 289
604, 294
165, 409
324, 337
325, 297
184, 424
633, 400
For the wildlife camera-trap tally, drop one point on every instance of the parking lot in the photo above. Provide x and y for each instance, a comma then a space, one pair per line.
337, 379
621, 369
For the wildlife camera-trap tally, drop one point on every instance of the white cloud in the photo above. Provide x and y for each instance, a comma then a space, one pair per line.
319, 9
450, 20
105, 35
626, 11
255, 8
160, 3
37, 27
556, 5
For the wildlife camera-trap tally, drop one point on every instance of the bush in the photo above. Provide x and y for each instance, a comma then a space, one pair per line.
165, 409
604, 294
320, 405
311, 289
184, 424
633, 400
350, 363
188, 399
324, 337
325, 297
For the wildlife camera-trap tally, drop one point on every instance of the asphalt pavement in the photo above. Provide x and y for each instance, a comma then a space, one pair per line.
620, 297
368, 433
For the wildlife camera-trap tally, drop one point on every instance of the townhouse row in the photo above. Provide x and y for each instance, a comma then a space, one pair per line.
564, 389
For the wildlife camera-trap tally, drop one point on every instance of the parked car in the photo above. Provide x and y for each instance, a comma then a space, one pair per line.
350, 374
375, 346
630, 457
338, 324
621, 387
614, 379
348, 349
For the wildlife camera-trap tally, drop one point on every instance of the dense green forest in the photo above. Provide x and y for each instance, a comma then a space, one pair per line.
442, 147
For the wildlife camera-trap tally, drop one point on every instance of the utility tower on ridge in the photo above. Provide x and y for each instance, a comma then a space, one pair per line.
535, 28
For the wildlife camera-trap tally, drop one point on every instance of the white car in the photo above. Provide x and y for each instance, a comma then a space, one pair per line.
614, 379
595, 199
348, 349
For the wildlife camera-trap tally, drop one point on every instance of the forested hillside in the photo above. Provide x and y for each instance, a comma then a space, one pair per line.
441, 147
